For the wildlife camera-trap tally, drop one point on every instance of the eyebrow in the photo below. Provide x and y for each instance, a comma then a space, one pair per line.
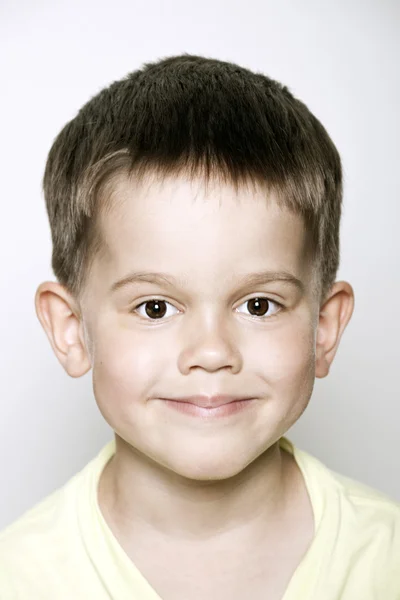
171, 281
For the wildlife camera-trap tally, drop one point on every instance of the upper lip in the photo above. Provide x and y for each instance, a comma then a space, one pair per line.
209, 401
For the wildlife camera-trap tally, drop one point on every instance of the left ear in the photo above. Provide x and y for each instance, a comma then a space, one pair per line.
334, 316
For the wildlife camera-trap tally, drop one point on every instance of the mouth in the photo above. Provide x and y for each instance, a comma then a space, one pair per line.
218, 409
205, 401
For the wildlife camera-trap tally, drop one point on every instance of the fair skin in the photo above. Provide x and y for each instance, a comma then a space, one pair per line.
218, 496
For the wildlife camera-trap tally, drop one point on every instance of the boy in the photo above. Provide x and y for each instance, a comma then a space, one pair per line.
195, 209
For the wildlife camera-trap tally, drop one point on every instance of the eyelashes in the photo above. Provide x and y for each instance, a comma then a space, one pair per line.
261, 304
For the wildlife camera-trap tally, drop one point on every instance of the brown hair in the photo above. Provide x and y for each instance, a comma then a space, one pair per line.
194, 115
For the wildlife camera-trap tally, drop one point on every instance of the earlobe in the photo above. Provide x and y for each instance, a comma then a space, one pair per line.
56, 311
333, 318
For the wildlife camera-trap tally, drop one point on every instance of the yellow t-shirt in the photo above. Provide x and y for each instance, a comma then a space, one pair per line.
63, 549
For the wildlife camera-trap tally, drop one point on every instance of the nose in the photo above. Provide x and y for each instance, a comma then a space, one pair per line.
210, 346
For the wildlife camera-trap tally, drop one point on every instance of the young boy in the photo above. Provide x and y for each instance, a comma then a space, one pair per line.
195, 209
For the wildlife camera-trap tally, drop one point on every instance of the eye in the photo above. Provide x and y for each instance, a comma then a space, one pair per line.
260, 307
154, 308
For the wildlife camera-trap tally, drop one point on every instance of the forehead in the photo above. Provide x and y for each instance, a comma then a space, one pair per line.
180, 225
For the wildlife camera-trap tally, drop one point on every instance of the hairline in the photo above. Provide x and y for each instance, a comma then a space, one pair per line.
100, 183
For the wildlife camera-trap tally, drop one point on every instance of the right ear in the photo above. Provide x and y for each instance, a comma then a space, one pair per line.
57, 312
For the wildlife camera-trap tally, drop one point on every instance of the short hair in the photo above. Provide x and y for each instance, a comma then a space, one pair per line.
198, 116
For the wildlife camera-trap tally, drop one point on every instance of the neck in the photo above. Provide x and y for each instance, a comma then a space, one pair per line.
138, 496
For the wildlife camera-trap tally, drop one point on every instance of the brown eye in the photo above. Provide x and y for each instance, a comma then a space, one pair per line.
258, 306
154, 309
262, 307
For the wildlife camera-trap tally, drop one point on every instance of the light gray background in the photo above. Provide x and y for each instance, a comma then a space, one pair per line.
341, 59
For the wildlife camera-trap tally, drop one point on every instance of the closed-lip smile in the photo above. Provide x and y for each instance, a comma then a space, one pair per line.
205, 401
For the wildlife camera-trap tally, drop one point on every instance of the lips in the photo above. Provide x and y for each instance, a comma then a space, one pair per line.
209, 401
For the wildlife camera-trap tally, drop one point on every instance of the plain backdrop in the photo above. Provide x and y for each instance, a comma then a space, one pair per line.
341, 59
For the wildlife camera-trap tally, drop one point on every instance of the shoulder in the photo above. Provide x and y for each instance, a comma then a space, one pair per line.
364, 498
55, 511
363, 492
25, 546
38, 542
372, 518
41, 520
364, 523
42, 551
371, 510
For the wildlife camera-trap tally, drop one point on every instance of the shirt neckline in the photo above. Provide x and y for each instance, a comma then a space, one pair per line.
119, 574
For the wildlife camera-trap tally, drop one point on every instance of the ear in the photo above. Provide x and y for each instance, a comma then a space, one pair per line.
60, 317
334, 315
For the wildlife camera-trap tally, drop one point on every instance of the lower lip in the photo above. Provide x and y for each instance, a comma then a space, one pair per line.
225, 410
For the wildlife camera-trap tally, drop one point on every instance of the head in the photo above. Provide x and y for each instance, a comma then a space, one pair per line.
207, 173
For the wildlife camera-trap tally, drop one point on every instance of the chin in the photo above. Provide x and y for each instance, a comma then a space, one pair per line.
208, 466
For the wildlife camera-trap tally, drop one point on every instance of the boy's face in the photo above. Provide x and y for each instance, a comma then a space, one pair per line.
209, 338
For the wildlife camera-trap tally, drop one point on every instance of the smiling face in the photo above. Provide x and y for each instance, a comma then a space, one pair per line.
208, 333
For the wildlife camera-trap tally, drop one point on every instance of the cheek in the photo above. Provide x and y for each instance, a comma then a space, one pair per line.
288, 359
126, 366
122, 371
